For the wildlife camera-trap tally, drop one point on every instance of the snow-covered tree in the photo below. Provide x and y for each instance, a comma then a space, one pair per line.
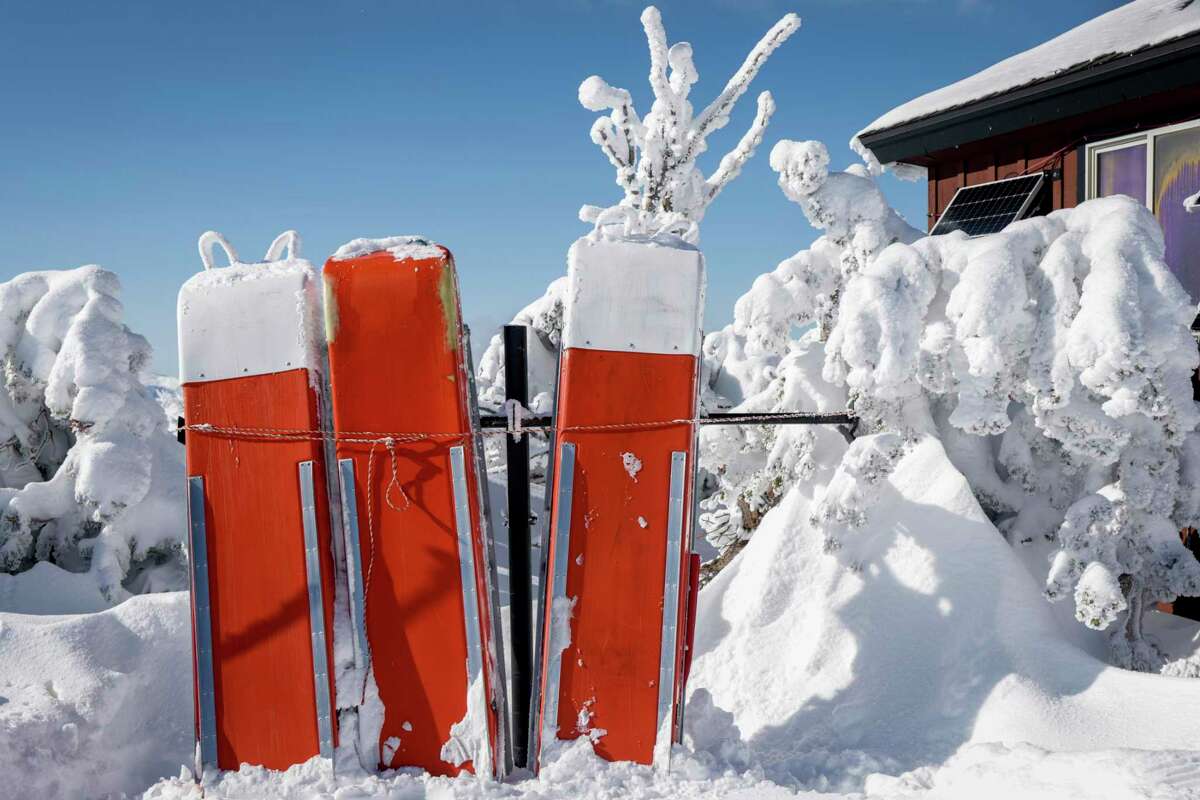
655, 156
1054, 359
763, 363
90, 477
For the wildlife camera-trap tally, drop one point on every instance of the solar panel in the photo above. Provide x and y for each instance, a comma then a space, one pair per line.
989, 207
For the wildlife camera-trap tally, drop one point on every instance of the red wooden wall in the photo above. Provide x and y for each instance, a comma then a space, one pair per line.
1052, 146
1005, 161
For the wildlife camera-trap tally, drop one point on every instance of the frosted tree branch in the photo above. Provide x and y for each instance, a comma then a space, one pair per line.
656, 39
717, 114
654, 156
731, 164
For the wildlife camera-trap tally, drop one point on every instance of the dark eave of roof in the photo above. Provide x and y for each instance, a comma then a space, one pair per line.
1162, 68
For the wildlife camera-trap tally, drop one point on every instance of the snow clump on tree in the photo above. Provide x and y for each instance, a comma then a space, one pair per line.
655, 157
90, 478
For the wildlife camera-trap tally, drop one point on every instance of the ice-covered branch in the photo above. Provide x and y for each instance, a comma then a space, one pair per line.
655, 156
731, 164
716, 116
656, 40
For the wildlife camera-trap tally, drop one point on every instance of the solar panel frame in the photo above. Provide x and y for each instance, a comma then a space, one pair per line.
1028, 195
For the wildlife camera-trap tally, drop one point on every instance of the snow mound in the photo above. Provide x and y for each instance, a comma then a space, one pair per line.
1000, 772
95, 704
1122, 31
47, 589
922, 633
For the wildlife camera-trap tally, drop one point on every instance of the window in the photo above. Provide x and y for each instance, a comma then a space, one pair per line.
1160, 168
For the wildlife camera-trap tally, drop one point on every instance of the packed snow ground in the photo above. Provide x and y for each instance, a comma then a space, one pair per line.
919, 662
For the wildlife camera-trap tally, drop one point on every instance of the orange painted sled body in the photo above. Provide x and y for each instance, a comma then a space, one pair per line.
399, 367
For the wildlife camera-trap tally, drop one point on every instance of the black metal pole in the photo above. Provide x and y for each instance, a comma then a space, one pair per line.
516, 387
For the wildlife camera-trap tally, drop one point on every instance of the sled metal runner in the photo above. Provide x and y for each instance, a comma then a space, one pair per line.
354, 575
420, 558
312, 568
670, 615
558, 588
206, 717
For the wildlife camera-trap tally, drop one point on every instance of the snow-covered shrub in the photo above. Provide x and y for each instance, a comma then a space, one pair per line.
1055, 360
655, 157
90, 478
762, 363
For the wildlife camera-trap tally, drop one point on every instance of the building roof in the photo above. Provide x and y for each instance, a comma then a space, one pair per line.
1125, 31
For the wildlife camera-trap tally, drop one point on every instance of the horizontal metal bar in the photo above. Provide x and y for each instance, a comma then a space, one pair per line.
778, 418
501, 421
715, 418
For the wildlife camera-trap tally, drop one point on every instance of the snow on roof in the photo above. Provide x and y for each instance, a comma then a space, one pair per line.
1122, 31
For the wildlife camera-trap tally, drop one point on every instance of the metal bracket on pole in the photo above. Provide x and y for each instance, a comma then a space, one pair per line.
668, 656
202, 615
353, 549
316, 609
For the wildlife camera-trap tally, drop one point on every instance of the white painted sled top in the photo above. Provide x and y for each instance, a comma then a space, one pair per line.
249, 319
636, 296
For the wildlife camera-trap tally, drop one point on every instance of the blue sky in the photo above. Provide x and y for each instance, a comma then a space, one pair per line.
126, 130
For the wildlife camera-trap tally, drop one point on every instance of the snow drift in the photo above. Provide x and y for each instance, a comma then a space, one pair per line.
94, 704
923, 633
1054, 359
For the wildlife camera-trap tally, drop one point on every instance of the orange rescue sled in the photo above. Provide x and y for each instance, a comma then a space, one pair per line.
260, 545
613, 633
419, 559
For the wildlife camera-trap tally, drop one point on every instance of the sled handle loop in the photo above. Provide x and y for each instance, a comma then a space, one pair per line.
208, 240
289, 241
